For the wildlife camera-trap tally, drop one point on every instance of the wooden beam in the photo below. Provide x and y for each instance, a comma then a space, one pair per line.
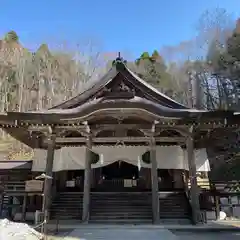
101, 127
117, 139
73, 127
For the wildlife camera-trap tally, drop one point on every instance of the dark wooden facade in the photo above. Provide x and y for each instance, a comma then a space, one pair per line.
119, 107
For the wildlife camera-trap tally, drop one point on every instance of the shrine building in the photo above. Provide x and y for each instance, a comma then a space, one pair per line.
121, 151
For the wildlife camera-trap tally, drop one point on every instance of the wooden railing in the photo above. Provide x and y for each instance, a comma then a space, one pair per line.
13, 186
219, 186
228, 186
202, 183
219, 195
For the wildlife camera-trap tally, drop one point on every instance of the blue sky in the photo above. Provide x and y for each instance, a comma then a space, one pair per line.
125, 25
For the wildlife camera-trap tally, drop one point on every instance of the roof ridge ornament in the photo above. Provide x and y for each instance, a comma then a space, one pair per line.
119, 62
119, 56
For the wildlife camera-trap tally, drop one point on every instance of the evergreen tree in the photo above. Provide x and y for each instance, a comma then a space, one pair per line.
11, 37
153, 70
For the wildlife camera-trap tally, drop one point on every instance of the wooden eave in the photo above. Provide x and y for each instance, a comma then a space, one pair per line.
18, 124
15, 165
32, 134
102, 105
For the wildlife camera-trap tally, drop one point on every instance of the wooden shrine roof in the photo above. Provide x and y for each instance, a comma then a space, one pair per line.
120, 88
120, 92
123, 77
10, 164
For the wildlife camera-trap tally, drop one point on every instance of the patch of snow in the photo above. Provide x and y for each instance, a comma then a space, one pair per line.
17, 231
223, 215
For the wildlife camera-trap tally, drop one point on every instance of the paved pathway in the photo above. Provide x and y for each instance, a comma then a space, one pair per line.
122, 234
147, 234
208, 236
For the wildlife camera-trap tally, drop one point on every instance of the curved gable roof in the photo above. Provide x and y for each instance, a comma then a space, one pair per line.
120, 68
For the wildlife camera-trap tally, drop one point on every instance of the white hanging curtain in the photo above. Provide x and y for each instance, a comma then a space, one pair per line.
72, 158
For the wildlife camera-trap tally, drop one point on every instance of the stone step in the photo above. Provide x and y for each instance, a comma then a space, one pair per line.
62, 209
99, 217
66, 213
70, 215
66, 217
123, 202
109, 205
117, 212
67, 205
121, 198
112, 210
173, 215
62, 205
121, 221
109, 195
71, 193
70, 196
69, 199
121, 208
68, 202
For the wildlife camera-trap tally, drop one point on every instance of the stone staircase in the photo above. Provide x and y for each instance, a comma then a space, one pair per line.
174, 206
121, 207
67, 206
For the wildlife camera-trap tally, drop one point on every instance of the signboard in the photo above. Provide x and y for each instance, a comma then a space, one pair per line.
33, 186
127, 182
70, 183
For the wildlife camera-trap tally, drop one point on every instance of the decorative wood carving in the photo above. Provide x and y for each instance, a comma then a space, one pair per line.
120, 90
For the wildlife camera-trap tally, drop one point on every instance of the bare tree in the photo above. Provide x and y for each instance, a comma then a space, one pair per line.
42, 79
192, 64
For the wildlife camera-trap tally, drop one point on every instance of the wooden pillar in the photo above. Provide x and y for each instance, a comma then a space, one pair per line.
9, 209
48, 180
194, 193
24, 207
87, 181
154, 178
217, 206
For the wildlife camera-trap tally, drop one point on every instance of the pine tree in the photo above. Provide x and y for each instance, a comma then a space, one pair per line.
11, 37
